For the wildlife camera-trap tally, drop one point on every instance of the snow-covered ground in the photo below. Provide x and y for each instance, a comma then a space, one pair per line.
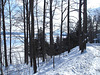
73, 63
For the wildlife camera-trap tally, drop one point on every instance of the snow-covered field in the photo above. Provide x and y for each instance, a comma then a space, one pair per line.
73, 63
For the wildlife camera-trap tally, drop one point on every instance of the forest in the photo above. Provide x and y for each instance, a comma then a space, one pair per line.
32, 32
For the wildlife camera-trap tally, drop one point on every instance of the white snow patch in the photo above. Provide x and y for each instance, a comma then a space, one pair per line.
73, 63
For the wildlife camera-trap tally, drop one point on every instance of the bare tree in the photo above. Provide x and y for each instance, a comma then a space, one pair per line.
27, 17
51, 26
79, 29
30, 50
51, 30
10, 29
24, 31
0, 43
84, 25
43, 47
32, 36
61, 24
4, 33
68, 26
37, 29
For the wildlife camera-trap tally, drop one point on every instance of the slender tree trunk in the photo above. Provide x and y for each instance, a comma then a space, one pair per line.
37, 16
30, 33
10, 30
37, 28
51, 26
24, 32
85, 25
27, 14
80, 31
0, 32
68, 26
32, 36
4, 34
51, 30
61, 24
0, 43
43, 47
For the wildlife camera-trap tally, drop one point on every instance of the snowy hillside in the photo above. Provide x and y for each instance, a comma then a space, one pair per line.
73, 63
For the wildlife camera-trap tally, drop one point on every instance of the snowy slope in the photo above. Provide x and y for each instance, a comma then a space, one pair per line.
73, 63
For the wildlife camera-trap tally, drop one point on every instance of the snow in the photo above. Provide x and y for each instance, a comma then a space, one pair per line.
73, 63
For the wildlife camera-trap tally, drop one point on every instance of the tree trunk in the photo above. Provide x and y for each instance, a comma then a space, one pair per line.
30, 34
32, 37
0, 43
37, 28
68, 26
10, 30
4, 35
27, 14
85, 25
80, 31
43, 45
61, 25
24, 32
51, 31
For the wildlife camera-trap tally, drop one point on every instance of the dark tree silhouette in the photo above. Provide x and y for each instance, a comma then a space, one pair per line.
4, 35
27, 17
33, 50
24, 32
61, 24
51, 30
68, 26
84, 26
43, 47
79, 29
